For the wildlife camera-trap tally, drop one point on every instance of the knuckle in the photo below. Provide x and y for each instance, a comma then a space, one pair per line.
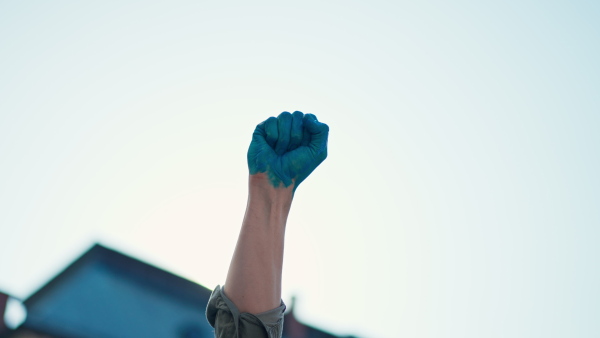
285, 114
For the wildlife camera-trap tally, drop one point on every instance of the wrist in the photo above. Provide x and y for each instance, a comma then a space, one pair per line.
263, 194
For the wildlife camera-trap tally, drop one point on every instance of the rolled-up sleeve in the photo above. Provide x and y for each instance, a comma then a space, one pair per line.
228, 322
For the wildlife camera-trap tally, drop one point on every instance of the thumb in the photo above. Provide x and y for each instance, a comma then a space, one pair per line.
258, 151
259, 137
318, 131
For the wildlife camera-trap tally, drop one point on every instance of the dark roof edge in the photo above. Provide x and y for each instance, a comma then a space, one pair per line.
135, 268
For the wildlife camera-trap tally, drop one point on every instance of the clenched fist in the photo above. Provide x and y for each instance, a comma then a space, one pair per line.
288, 148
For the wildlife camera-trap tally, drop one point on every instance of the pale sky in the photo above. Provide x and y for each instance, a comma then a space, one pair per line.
459, 199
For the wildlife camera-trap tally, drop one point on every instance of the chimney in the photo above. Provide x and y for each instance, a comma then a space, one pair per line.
295, 329
3, 301
12, 313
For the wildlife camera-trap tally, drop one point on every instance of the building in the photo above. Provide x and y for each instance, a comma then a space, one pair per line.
106, 294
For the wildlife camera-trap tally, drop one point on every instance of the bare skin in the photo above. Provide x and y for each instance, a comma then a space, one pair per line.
253, 282
283, 152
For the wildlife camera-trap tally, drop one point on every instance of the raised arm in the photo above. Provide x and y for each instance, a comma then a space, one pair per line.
283, 152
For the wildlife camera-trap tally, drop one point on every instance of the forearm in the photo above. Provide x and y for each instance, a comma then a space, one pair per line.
253, 282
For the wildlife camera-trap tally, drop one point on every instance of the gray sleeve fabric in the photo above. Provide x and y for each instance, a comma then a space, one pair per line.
228, 322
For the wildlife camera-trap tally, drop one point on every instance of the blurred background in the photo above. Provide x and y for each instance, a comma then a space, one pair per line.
460, 195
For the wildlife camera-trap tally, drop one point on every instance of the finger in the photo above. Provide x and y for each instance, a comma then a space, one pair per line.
305, 133
260, 135
284, 123
319, 132
272, 132
296, 134
257, 147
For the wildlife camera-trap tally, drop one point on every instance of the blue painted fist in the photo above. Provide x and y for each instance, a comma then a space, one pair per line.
288, 148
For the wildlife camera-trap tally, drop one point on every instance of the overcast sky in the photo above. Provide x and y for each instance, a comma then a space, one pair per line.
460, 197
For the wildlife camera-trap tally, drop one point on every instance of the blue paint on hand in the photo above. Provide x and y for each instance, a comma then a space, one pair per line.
288, 148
